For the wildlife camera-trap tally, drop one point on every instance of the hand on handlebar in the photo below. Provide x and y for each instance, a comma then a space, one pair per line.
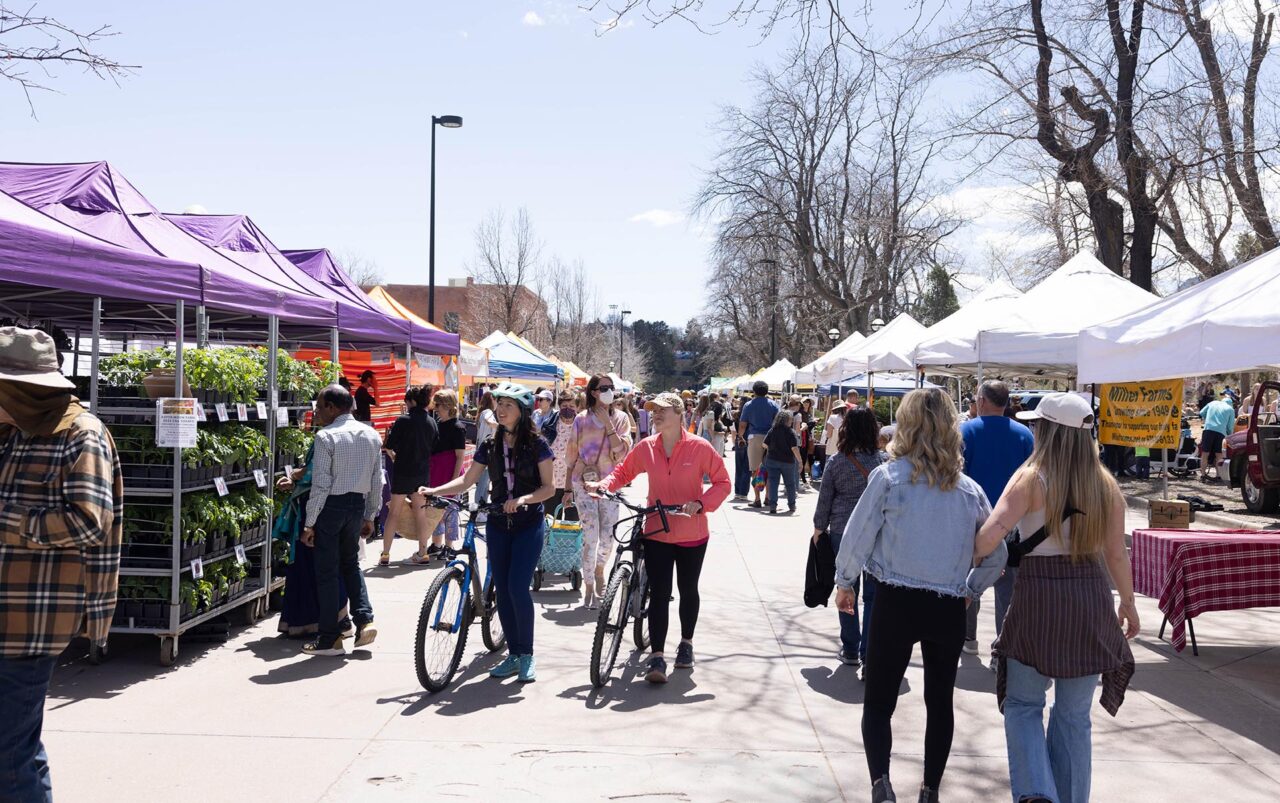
593, 489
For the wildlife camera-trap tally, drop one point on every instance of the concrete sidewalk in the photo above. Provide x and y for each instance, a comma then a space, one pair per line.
767, 714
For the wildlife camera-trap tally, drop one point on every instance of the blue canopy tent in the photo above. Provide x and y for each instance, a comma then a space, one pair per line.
510, 360
886, 384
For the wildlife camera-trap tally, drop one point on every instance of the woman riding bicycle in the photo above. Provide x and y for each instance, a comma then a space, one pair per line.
675, 462
519, 462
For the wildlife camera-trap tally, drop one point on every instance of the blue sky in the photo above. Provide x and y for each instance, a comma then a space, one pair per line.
313, 118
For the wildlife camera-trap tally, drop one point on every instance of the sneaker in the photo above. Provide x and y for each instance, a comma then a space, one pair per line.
927, 795
882, 791
739, 497
433, 552
528, 671
348, 630
971, 646
365, 634
657, 672
773, 511
509, 667
684, 656
791, 508
321, 647
755, 504
849, 660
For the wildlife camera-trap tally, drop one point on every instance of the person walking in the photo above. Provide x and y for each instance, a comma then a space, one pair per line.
675, 463
754, 424
566, 410
486, 426
741, 462
61, 526
519, 463
1061, 628
448, 455
913, 529
346, 493
1219, 418
994, 448
782, 460
844, 479
598, 443
366, 397
710, 426
831, 432
543, 410
410, 441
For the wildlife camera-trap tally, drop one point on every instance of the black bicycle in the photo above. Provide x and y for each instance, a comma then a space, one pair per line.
454, 600
626, 597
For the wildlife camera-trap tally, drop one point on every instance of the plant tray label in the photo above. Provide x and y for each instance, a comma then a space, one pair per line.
262, 411
221, 484
282, 416
176, 423
221, 410
201, 416
288, 471
197, 569
240, 556
242, 411
260, 477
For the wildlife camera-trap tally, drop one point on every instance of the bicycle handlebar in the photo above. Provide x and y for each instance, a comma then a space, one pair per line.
447, 502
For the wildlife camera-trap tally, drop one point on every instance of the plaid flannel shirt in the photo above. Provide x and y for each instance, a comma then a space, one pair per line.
61, 520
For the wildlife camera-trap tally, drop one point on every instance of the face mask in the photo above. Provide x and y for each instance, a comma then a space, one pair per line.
566, 412
606, 397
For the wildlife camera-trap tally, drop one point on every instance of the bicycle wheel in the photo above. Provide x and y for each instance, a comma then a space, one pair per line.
442, 629
611, 625
640, 610
491, 625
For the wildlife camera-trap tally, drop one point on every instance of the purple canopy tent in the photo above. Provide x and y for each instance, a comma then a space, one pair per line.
238, 237
95, 199
319, 264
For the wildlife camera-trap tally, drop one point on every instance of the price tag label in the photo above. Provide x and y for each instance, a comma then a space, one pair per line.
220, 409
221, 484
282, 416
260, 477
201, 416
288, 471
240, 556
262, 411
197, 569
242, 411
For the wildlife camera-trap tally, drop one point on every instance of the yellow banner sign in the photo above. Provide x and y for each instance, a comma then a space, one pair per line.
1141, 414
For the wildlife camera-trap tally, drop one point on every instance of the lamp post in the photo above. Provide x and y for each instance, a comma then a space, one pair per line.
772, 267
877, 324
622, 324
447, 121
834, 334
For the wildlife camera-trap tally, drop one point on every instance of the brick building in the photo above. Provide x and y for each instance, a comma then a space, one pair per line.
474, 310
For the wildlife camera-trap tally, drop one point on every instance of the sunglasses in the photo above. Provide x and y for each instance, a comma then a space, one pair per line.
604, 388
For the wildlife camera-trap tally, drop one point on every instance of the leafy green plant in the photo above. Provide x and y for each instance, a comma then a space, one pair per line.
294, 441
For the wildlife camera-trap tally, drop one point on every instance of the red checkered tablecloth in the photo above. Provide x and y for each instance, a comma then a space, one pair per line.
1195, 571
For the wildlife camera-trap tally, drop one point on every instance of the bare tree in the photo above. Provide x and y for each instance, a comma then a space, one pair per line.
34, 46
508, 273
359, 268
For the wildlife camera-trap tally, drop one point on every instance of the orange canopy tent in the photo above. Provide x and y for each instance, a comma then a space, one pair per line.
472, 361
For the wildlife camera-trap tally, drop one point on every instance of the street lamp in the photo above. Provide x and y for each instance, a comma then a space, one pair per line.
445, 121
834, 334
622, 323
611, 364
773, 313
877, 324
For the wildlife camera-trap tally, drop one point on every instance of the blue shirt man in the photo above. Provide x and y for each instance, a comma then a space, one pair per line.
994, 448
759, 414
754, 423
1219, 416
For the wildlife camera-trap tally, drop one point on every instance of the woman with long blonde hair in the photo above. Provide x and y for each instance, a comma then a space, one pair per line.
1061, 627
913, 530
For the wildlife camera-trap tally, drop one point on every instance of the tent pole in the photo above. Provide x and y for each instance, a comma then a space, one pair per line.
202, 327
180, 334
273, 400
333, 345
93, 358
408, 366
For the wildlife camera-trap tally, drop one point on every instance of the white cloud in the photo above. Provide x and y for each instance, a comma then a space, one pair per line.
657, 217
532, 18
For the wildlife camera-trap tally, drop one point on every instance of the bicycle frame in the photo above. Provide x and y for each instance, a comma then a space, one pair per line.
470, 576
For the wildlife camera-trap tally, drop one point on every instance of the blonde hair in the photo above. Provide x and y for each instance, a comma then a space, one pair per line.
445, 399
1067, 459
928, 435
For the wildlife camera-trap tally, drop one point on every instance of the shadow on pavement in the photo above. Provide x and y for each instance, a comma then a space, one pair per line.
975, 675
471, 690
627, 690
571, 615
840, 684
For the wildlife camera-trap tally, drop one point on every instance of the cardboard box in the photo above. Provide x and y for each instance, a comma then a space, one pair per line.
1169, 515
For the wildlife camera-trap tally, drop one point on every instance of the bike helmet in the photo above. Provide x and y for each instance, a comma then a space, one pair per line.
517, 393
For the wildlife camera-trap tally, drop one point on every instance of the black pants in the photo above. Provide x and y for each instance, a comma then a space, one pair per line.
337, 555
900, 618
661, 562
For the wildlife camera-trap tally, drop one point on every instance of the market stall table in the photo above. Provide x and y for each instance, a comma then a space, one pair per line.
1195, 571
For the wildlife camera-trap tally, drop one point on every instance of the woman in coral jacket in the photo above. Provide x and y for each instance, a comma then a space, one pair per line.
675, 462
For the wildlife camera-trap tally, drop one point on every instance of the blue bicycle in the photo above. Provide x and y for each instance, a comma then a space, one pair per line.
454, 600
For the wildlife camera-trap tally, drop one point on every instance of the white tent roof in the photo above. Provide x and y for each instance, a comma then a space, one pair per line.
775, 375
954, 339
808, 374
1228, 323
897, 333
1042, 337
492, 340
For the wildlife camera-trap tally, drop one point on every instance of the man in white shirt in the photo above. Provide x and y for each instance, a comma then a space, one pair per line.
346, 495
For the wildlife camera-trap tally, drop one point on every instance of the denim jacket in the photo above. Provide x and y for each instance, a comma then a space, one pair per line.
912, 534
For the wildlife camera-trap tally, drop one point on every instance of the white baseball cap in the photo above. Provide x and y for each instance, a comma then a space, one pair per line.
1065, 409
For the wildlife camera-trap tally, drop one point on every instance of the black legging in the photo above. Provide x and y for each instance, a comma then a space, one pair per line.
661, 561
900, 618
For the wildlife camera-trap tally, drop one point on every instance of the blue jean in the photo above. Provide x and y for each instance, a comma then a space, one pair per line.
482, 489
1004, 595
778, 470
741, 470
853, 633
1057, 765
513, 555
337, 554
24, 766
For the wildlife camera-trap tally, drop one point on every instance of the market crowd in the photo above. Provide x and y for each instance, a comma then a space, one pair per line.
914, 523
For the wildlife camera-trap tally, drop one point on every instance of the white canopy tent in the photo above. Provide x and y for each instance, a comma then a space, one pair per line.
1225, 324
809, 373
775, 375
901, 330
1042, 337
954, 339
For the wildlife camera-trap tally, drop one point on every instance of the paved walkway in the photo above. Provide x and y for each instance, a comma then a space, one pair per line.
768, 713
